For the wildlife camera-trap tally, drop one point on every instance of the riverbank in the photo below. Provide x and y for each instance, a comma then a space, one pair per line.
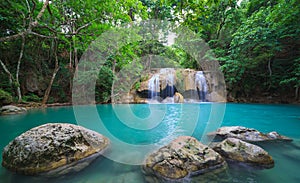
241, 100
256, 100
265, 100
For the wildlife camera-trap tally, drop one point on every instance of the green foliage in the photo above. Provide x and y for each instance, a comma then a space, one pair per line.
257, 42
5, 98
137, 85
262, 54
31, 97
103, 85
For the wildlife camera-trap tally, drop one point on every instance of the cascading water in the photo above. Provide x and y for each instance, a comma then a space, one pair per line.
153, 86
168, 82
201, 85
161, 86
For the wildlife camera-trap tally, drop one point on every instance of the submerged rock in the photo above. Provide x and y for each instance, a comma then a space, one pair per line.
11, 109
247, 134
53, 149
240, 151
180, 160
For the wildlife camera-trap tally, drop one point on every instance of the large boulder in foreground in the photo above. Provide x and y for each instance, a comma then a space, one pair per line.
11, 109
180, 160
239, 151
53, 149
247, 134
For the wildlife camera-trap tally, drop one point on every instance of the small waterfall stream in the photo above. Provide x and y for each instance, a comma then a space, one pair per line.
153, 86
201, 85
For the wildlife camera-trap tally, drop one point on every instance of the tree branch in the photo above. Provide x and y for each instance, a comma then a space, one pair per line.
42, 36
31, 25
7, 71
85, 25
7, 38
46, 3
5, 68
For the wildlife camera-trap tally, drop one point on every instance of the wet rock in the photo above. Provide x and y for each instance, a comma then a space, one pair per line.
11, 109
178, 98
240, 151
182, 159
247, 134
168, 100
53, 149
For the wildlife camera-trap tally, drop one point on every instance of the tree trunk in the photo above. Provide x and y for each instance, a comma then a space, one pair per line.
75, 54
112, 86
15, 85
270, 73
48, 90
10, 76
18, 70
148, 63
71, 68
297, 93
222, 23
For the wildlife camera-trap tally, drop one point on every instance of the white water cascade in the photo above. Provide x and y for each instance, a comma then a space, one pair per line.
201, 85
153, 86
166, 82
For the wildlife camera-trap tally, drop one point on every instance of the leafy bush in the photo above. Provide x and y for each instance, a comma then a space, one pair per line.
31, 98
5, 98
137, 85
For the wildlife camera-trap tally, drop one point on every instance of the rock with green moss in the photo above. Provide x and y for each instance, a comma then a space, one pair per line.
53, 149
183, 159
239, 151
247, 134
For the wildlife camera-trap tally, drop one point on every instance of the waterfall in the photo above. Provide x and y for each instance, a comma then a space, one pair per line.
201, 85
168, 82
153, 86
192, 85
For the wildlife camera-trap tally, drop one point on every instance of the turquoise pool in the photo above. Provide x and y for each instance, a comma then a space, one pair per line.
142, 127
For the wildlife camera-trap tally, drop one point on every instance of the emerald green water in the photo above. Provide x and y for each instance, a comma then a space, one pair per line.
284, 119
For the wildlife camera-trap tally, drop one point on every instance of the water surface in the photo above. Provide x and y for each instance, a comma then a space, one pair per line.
137, 128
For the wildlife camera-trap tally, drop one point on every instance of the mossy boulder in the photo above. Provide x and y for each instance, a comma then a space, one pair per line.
182, 159
239, 151
247, 134
53, 149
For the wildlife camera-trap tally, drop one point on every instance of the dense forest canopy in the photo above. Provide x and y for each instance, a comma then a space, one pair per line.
257, 43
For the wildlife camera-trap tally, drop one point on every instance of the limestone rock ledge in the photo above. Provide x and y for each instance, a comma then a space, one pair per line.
53, 149
182, 159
